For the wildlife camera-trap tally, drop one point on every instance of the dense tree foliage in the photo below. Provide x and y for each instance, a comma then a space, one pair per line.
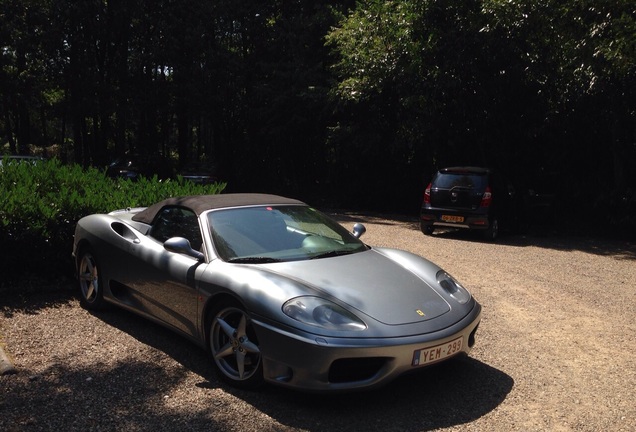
526, 86
353, 103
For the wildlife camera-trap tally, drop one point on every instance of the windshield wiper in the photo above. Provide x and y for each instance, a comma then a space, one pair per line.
254, 260
333, 253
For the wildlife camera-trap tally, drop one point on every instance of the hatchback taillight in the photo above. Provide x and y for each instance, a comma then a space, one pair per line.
427, 194
486, 198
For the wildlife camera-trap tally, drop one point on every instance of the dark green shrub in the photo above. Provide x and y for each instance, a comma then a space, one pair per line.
41, 203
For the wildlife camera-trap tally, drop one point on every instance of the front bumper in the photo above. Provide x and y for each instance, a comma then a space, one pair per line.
320, 364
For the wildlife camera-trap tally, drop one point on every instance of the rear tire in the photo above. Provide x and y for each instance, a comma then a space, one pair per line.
90, 281
493, 230
427, 229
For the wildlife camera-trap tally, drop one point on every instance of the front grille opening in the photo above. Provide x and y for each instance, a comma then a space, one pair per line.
355, 369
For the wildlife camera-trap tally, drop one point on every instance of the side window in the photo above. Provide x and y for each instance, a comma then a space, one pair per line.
177, 222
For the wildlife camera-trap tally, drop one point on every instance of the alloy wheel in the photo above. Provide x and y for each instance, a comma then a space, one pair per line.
235, 348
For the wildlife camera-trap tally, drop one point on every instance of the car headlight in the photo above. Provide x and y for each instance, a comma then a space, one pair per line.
452, 287
319, 312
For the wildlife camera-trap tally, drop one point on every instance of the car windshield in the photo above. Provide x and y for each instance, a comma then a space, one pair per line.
278, 233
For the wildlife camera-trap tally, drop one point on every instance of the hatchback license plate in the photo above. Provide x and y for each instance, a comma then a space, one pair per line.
437, 353
449, 218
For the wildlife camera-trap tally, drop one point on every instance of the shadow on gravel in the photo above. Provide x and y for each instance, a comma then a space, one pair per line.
455, 392
17, 299
593, 245
132, 395
537, 236
452, 393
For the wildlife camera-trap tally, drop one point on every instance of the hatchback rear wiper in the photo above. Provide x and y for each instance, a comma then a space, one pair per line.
254, 260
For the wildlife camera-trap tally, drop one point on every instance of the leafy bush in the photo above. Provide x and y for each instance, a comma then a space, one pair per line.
42, 202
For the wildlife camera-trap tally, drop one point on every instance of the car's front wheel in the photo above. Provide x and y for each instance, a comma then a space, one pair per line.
90, 283
234, 347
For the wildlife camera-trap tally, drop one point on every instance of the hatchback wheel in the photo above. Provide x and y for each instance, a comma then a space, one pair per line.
493, 230
427, 229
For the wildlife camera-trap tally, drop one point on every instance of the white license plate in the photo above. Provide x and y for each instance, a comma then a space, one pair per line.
437, 353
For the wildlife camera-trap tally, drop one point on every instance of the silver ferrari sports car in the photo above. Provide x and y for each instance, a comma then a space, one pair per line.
277, 291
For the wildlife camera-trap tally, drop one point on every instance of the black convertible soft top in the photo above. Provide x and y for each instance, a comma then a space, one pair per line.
200, 203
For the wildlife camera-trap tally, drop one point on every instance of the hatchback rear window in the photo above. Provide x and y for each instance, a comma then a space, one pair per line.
462, 180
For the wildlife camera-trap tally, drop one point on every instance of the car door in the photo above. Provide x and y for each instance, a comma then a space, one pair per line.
165, 282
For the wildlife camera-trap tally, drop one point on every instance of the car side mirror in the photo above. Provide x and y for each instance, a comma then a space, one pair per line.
182, 246
358, 230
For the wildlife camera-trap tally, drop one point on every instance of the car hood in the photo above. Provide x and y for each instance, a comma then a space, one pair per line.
381, 286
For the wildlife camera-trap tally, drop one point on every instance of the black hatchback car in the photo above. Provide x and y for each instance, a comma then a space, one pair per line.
469, 198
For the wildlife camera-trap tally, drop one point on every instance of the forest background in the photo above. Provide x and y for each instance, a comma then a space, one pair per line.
340, 103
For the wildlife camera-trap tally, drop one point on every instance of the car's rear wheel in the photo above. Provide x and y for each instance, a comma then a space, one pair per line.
234, 347
427, 229
90, 283
493, 230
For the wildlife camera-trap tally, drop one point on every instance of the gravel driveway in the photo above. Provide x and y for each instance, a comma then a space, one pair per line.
555, 352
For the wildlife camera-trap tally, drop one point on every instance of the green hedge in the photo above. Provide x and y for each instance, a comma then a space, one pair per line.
42, 202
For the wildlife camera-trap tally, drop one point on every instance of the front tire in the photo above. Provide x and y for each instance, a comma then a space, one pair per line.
234, 347
90, 282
